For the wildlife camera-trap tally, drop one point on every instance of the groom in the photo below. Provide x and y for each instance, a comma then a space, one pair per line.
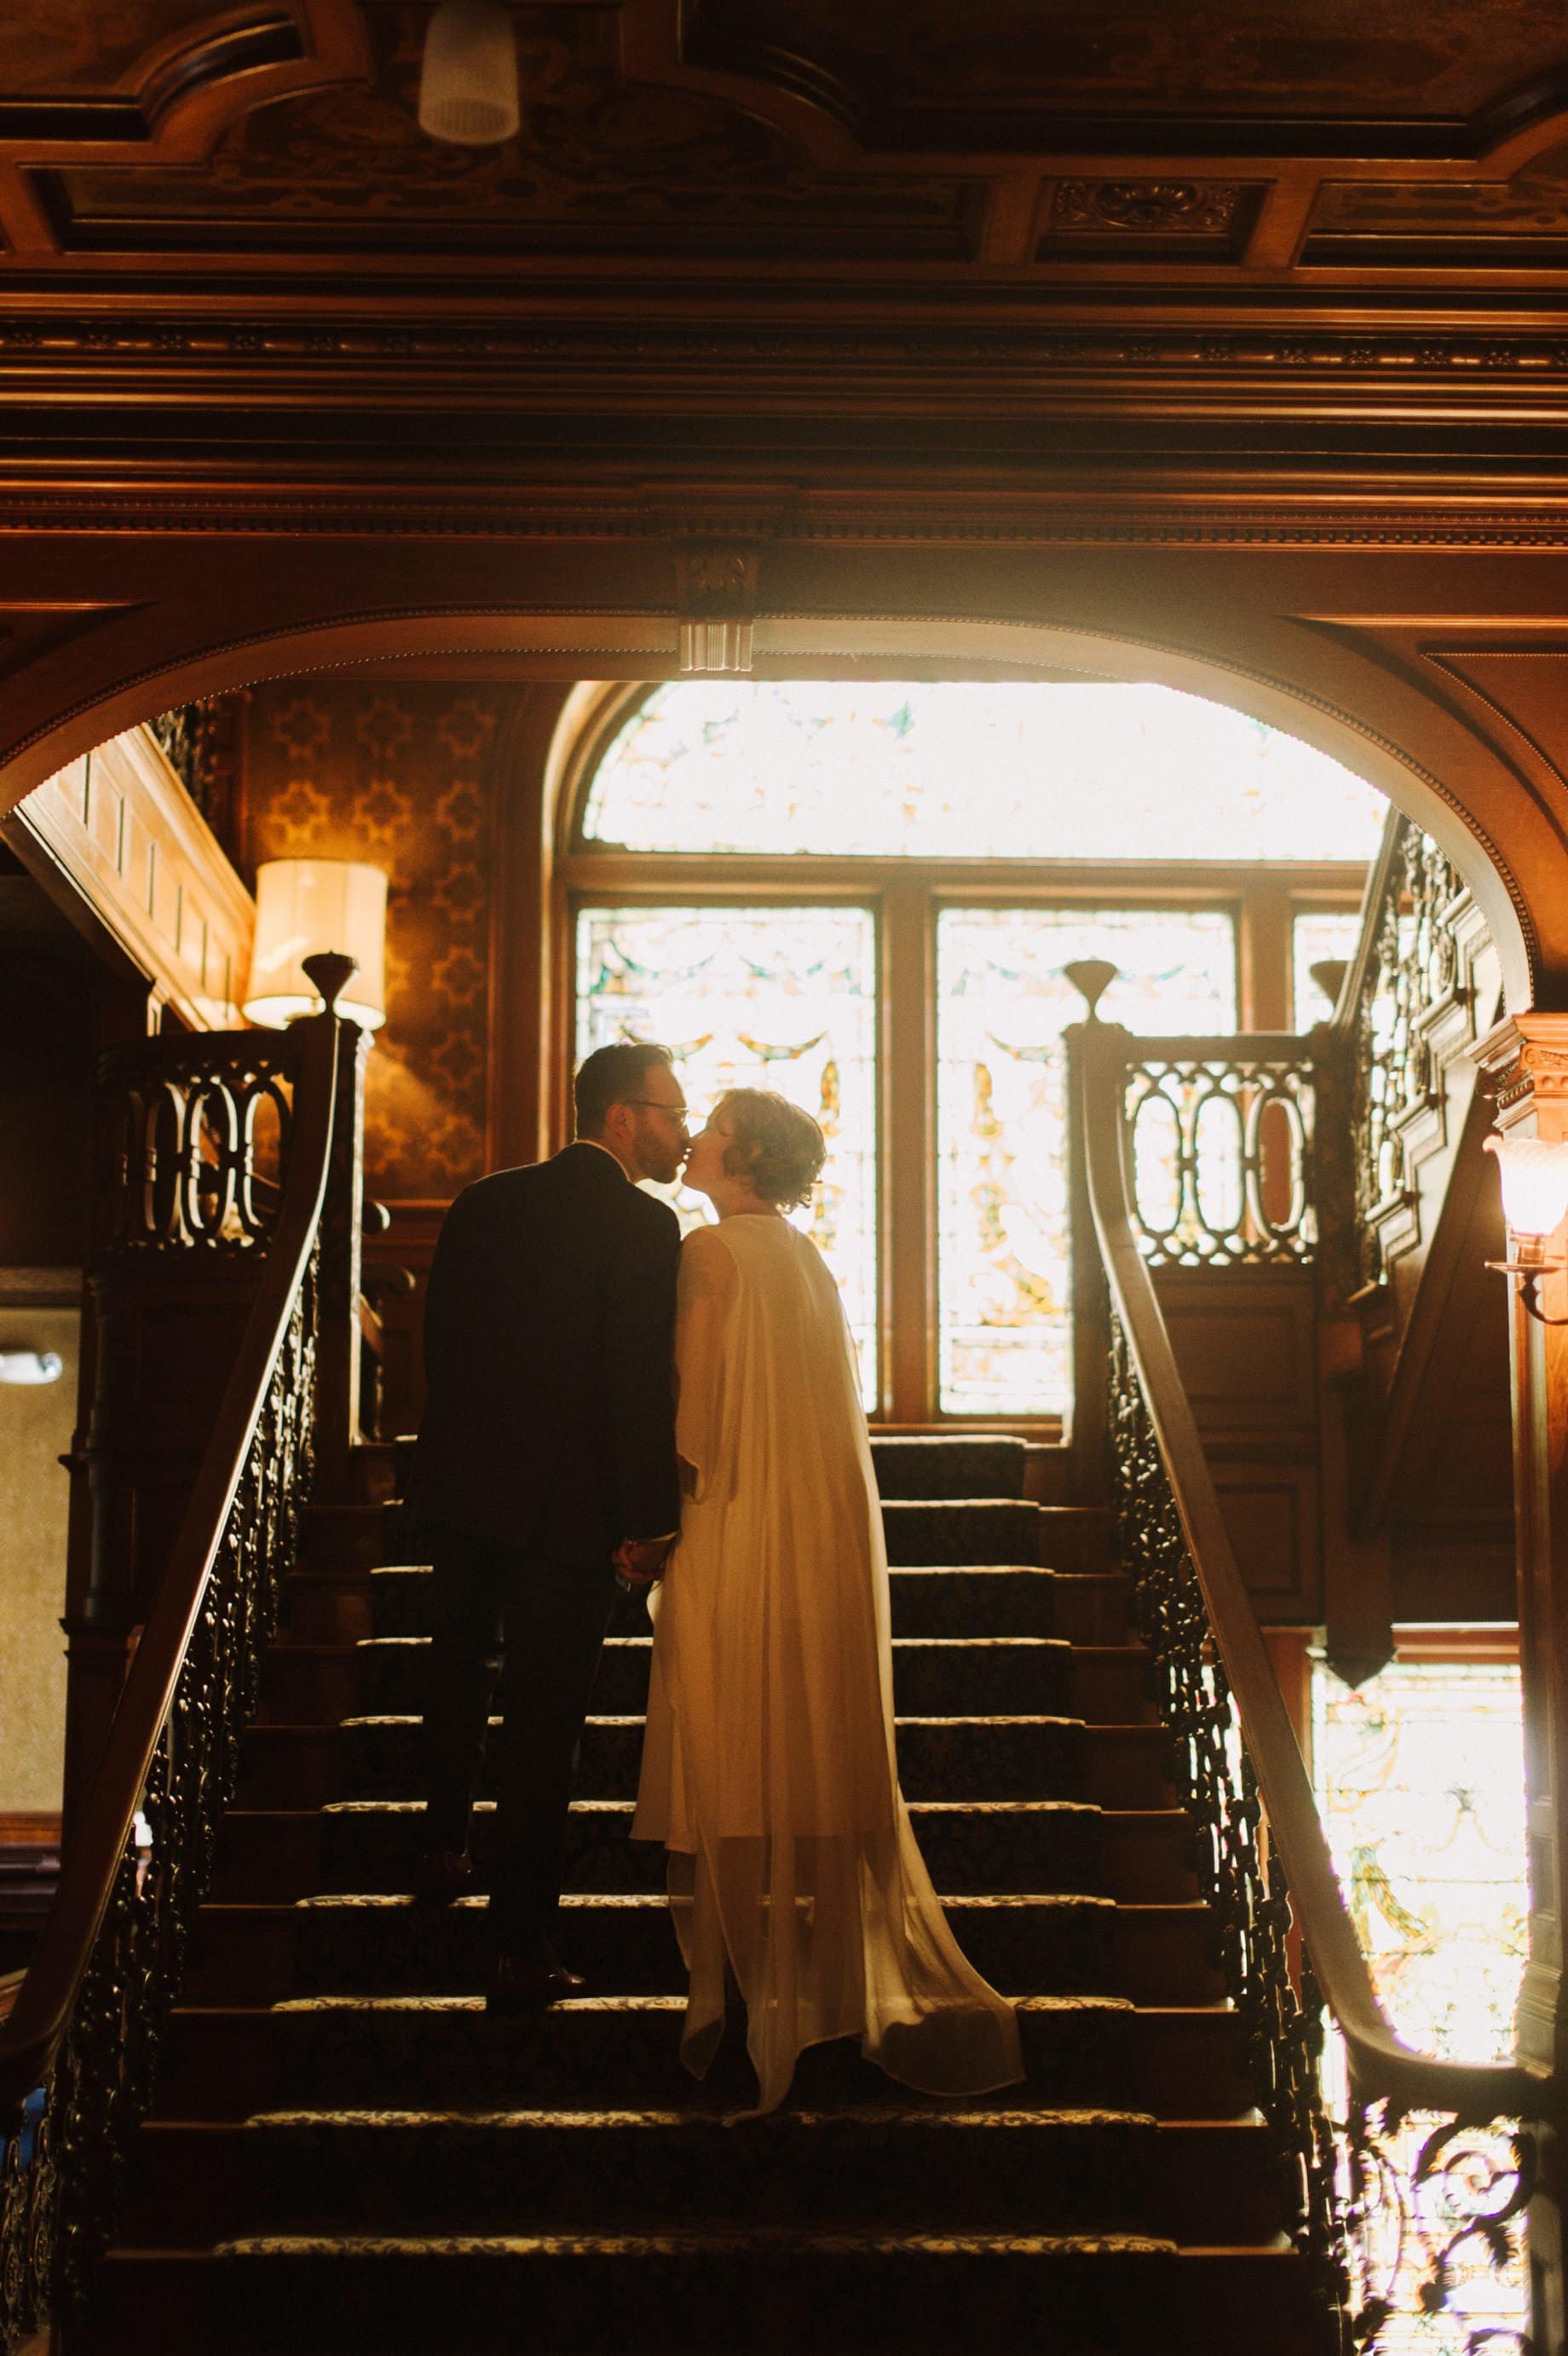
547, 1450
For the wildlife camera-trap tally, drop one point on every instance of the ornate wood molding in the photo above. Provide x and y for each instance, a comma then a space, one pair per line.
420, 342
118, 829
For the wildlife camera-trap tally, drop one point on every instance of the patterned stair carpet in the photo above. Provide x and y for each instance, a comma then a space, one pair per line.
347, 2154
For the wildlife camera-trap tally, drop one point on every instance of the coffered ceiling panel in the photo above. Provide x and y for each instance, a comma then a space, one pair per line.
1249, 225
58, 48
898, 65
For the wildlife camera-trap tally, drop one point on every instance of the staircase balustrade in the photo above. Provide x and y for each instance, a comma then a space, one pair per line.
1409, 1002
1221, 1130
1356, 2206
79, 2049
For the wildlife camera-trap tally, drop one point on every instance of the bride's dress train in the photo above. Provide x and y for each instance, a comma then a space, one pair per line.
769, 1769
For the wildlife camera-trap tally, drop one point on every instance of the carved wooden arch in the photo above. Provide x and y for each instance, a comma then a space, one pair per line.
1499, 829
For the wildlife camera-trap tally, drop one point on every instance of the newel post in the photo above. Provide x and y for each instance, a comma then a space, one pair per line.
1525, 1060
337, 1303
1090, 977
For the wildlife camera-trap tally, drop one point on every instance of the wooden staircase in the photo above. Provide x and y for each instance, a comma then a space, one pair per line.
347, 2154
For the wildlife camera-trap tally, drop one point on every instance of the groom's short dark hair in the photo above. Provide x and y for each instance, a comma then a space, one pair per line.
613, 1076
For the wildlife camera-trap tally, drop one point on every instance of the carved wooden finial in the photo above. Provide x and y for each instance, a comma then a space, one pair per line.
1330, 973
1091, 978
330, 970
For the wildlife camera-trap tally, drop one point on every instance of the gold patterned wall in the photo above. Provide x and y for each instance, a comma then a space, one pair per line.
401, 776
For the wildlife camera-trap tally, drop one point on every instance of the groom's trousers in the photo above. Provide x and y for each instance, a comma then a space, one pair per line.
550, 1619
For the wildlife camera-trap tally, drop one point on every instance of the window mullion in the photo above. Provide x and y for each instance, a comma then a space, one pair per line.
908, 1157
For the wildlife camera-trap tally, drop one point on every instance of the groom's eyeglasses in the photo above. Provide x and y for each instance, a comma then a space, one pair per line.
651, 1104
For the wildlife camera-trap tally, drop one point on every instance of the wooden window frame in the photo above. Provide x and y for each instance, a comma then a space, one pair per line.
904, 895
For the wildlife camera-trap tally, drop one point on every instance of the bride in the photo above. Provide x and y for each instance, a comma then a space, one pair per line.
769, 1770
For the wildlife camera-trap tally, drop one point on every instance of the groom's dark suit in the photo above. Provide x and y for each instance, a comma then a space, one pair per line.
548, 1436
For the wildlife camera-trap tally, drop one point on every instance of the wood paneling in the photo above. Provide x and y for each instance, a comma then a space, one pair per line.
1245, 1342
118, 831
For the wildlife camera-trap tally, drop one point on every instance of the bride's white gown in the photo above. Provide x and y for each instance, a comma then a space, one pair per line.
769, 1768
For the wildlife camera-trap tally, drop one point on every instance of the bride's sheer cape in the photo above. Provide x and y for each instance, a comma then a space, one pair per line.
769, 1769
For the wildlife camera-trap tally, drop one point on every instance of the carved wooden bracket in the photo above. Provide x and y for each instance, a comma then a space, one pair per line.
715, 600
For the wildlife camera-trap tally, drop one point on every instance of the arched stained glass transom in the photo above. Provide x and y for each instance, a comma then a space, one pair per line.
864, 894
971, 769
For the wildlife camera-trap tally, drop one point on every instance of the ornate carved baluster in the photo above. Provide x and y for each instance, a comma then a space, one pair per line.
1268, 1102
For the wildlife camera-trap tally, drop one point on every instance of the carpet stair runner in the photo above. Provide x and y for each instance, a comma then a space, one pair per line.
347, 2154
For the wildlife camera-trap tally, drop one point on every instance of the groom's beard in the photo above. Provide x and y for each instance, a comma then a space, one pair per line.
663, 1169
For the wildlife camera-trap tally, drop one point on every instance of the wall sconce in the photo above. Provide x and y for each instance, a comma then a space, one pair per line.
29, 1366
1534, 1172
305, 905
468, 80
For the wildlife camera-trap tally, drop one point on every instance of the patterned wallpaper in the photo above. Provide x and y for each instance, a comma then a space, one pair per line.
400, 776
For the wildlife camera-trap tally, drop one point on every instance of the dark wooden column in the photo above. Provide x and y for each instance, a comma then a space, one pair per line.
1525, 1059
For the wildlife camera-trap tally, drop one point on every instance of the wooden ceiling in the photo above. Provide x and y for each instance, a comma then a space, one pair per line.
975, 149
1000, 233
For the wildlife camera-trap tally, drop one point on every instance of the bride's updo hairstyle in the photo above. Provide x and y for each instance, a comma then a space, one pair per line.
779, 1147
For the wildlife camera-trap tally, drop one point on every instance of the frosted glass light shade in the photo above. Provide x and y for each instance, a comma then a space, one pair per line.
1534, 1171
304, 905
468, 83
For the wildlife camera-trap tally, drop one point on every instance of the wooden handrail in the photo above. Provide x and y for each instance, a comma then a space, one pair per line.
1380, 2063
32, 2036
1380, 881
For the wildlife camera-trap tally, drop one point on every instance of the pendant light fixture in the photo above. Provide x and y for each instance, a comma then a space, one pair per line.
468, 83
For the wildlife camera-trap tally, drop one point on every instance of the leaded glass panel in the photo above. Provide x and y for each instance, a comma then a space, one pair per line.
758, 997
1420, 1775
972, 769
1003, 1001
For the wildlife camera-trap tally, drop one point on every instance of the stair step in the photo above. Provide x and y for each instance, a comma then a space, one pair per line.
1125, 1767
374, 1943
993, 1757
980, 1846
230, 2060
997, 1598
989, 1464
390, 1675
672, 2293
625, 1944
979, 1530
991, 2168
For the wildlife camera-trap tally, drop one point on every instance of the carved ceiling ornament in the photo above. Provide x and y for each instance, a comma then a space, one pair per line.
716, 601
1180, 208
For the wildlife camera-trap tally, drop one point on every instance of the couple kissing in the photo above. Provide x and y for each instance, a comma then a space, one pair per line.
606, 1401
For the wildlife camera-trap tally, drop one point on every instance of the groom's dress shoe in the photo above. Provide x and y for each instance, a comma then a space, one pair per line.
522, 1984
441, 1875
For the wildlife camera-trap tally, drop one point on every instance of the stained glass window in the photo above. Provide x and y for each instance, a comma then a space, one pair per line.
759, 997
1315, 936
1421, 1779
972, 769
1003, 1001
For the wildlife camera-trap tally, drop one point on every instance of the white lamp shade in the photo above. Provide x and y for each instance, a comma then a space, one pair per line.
305, 906
468, 84
1534, 1171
